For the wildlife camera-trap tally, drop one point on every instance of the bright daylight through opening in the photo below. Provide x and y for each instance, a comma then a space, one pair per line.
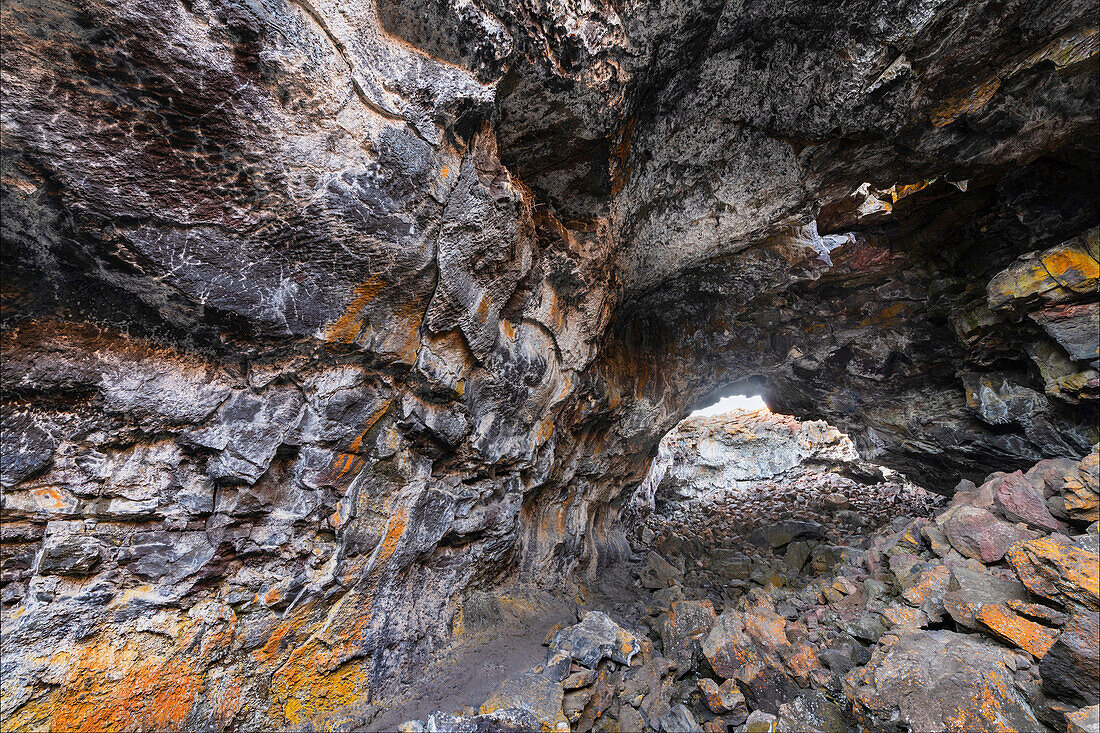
733, 402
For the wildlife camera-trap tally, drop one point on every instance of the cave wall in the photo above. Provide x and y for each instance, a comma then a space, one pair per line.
317, 316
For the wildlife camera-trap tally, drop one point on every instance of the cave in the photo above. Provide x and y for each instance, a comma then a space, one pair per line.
338, 340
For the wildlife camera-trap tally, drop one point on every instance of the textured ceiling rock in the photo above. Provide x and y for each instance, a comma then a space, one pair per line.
317, 315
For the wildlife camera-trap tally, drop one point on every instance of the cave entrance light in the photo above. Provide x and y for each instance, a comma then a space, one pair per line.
732, 402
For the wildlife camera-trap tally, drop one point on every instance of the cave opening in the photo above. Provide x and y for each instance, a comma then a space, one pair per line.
742, 402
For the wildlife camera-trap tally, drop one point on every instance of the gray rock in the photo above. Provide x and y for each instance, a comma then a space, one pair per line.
1071, 667
938, 681
596, 637
969, 590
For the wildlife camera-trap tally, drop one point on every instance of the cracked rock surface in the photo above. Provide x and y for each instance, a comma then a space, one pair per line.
321, 319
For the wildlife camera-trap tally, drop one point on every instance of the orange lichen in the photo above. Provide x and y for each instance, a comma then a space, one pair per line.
155, 693
968, 101
285, 631
1029, 636
932, 581
346, 328
394, 529
801, 659
1052, 568
309, 698
49, 499
892, 315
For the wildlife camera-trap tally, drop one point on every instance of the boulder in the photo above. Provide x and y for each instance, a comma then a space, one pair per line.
1080, 490
1054, 568
659, 572
928, 590
596, 637
977, 533
678, 719
687, 624
811, 711
1020, 501
1071, 669
580, 678
1009, 626
969, 590
536, 694
723, 699
1085, 720
745, 647
649, 688
760, 722
778, 534
935, 681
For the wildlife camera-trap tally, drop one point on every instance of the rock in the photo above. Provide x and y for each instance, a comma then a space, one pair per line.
779, 534
811, 711
836, 502
659, 573
900, 619
928, 591
596, 637
746, 647
69, 554
574, 703
1085, 720
936, 539
1081, 493
345, 312
687, 624
797, 554
939, 681
718, 725
533, 693
1019, 501
679, 718
500, 721
1071, 668
582, 678
649, 688
557, 666
724, 699
1013, 628
1073, 327
977, 533
1053, 568
838, 660
1037, 611
865, 626
969, 590
761, 722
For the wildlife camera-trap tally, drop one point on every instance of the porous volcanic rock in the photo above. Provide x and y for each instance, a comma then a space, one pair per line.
318, 319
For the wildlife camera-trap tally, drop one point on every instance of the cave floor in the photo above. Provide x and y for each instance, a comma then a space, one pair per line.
716, 548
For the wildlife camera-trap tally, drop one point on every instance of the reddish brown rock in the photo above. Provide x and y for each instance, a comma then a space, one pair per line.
1019, 501
977, 533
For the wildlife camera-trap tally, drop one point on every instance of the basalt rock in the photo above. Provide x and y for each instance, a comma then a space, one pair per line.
319, 319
